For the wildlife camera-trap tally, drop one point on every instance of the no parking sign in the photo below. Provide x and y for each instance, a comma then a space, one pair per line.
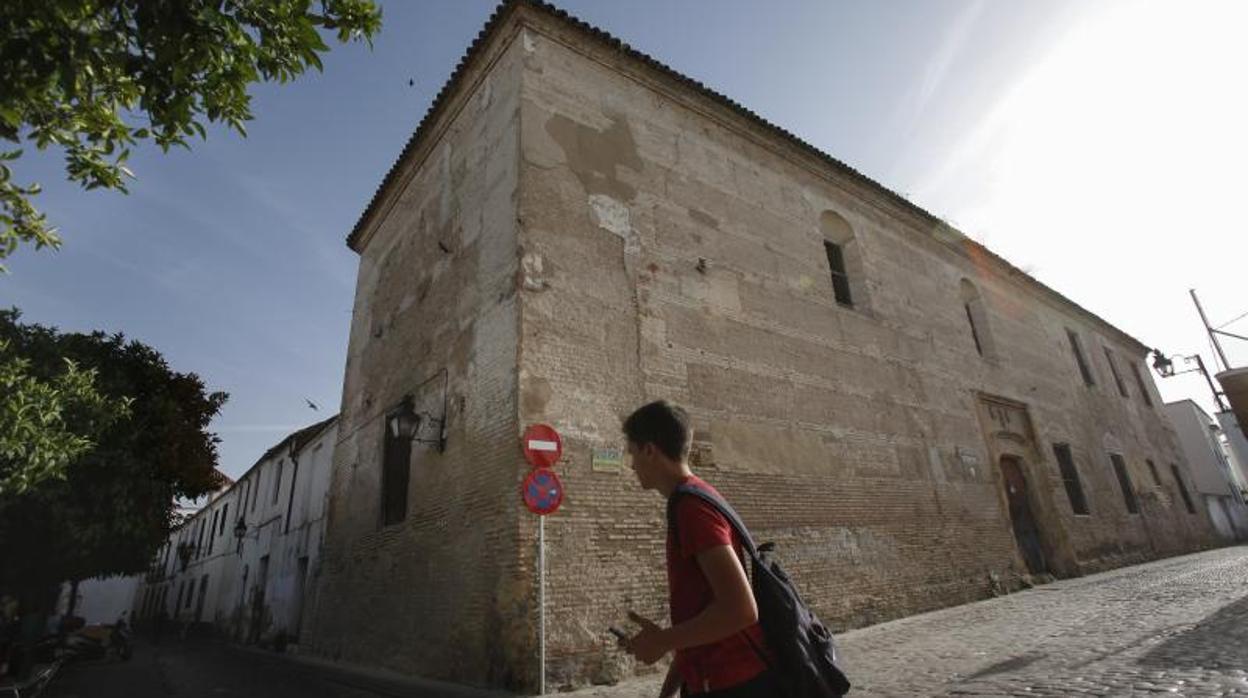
542, 491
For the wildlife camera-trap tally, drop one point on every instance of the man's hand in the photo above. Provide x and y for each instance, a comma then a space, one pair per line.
649, 645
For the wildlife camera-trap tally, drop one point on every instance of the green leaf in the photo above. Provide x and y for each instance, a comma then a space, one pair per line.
97, 67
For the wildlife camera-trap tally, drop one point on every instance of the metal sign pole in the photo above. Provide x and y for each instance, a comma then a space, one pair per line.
542, 494
541, 604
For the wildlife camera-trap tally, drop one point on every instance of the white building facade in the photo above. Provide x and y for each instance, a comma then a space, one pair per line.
244, 564
101, 600
1215, 477
1237, 449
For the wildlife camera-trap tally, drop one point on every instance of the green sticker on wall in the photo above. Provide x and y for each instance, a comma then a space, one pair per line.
608, 460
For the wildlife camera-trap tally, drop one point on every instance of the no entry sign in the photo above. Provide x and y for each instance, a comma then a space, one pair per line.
542, 491
542, 446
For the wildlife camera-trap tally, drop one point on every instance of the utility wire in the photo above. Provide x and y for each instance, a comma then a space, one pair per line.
1237, 319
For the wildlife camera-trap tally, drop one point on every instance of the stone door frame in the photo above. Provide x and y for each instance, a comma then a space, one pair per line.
1010, 433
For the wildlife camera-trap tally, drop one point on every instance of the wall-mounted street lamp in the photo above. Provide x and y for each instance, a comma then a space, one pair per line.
405, 423
1165, 368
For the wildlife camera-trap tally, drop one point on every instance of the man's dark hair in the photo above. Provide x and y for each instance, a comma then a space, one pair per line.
663, 424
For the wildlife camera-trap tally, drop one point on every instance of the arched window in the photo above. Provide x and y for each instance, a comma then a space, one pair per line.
844, 260
977, 318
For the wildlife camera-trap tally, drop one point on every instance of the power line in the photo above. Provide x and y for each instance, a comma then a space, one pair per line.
1236, 319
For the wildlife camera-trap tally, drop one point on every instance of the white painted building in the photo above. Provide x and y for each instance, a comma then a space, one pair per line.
1236, 448
102, 600
253, 588
1217, 482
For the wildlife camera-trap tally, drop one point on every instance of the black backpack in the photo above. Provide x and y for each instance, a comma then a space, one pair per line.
805, 655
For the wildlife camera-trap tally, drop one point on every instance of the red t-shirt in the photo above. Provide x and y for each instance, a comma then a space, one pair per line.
732, 660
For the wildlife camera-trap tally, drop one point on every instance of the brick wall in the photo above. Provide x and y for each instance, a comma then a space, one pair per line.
674, 250
441, 594
575, 233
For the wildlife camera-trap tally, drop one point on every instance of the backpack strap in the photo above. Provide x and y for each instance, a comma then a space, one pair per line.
747, 541
724, 508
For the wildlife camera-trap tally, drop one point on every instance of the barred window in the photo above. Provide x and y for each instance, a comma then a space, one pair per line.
1077, 348
844, 254
1187, 498
395, 474
1139, 382
1124, 481
1113, 369
1070, 478
840, 278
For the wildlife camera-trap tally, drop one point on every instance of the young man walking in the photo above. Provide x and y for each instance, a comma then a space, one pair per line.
714, 631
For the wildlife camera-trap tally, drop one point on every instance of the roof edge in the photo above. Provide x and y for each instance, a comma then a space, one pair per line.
302, 437
507, 8
498, 19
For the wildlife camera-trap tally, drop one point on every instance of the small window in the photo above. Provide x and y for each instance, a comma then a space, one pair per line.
845, 263
1153, 470
977, 319
225, 514
1070, 478
395, 474
1124, 481
1113, 369
970, 318
212, 530
1077, 348
1139, 382
1178, 480
277, 482
290, 499
840, 278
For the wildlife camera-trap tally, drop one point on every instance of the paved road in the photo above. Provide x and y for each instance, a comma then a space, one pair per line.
214, 670
1177, 626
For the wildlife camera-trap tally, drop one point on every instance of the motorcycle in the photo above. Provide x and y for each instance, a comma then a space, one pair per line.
98, 642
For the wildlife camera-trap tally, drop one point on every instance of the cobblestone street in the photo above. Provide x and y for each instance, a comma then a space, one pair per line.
1177, 626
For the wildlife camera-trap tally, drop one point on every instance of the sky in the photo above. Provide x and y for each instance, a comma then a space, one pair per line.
1099, 145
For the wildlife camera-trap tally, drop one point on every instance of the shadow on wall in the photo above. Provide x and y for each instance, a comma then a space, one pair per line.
1220, 641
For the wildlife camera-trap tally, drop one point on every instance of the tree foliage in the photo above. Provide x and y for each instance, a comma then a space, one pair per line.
46, 423
95, 77
112, 505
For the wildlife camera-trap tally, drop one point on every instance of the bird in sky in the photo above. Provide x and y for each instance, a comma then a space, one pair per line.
311, 404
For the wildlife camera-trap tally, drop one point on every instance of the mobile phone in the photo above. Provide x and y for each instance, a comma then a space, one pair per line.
618, 633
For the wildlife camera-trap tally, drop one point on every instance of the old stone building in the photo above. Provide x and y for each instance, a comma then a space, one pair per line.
576, 229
